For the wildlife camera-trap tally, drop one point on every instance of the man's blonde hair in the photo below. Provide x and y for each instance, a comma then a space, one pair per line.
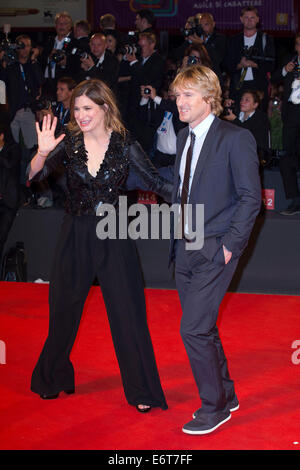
204, 80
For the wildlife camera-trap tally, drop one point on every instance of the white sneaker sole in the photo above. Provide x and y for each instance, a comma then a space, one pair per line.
230, 409
206, 431
234, 409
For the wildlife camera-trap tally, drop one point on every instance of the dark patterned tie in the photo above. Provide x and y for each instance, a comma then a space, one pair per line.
186, 180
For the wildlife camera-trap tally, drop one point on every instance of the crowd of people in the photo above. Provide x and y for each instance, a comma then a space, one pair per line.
259, 93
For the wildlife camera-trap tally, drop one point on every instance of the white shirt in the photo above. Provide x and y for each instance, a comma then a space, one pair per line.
242, 116
284, 73
200, 132
249, 41
100, 60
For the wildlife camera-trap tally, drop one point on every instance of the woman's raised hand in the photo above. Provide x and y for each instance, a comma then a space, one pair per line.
46, 138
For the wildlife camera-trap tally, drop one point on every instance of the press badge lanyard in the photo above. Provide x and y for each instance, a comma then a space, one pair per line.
23, 76
62, 116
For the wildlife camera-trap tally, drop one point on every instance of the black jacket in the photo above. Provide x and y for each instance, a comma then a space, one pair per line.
60, 71
10, 158
125, 167
17, 96
259, 125
287, 81
108, 71
151, 73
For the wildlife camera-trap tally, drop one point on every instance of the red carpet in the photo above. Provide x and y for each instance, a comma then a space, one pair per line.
257, 333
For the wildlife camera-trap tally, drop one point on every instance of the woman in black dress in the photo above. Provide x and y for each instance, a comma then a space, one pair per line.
99, 157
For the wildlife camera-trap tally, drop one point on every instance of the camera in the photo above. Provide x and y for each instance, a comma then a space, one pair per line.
192, 60
250, 53
60, 54
147, 91
41, 103
228, 108
130, 45
10, 50
196, 29
82, 54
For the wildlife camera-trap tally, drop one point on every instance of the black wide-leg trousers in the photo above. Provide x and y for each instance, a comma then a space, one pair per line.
80, 257
202, 285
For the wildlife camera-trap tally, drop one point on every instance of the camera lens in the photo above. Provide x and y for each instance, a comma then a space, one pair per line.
147, 91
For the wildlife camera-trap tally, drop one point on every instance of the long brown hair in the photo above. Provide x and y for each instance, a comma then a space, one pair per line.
99, 93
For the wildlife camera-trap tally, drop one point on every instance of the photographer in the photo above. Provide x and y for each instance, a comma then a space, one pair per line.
10, 156
80, 44
252, 118
100, 63
23, 79
52, 190
61, 109
166, 125
56, 59
149, 69
289, 75
249, 58
214, 42
189, 32
196, 54
201, 29
162, 114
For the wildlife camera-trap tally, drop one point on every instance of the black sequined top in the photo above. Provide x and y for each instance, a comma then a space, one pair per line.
125, 166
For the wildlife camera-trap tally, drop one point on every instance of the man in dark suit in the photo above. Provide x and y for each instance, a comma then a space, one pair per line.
208, 171
165, 123
149, 70
56, 59
289, 164
101, 63
249, 58
204, 32
23, 79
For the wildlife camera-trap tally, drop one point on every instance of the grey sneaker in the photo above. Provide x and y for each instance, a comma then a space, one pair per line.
233, 405
206, 423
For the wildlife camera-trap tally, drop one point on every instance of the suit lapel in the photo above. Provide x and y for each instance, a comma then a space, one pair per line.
206, 147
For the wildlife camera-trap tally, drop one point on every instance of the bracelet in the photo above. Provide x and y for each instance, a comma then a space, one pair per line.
41, 155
